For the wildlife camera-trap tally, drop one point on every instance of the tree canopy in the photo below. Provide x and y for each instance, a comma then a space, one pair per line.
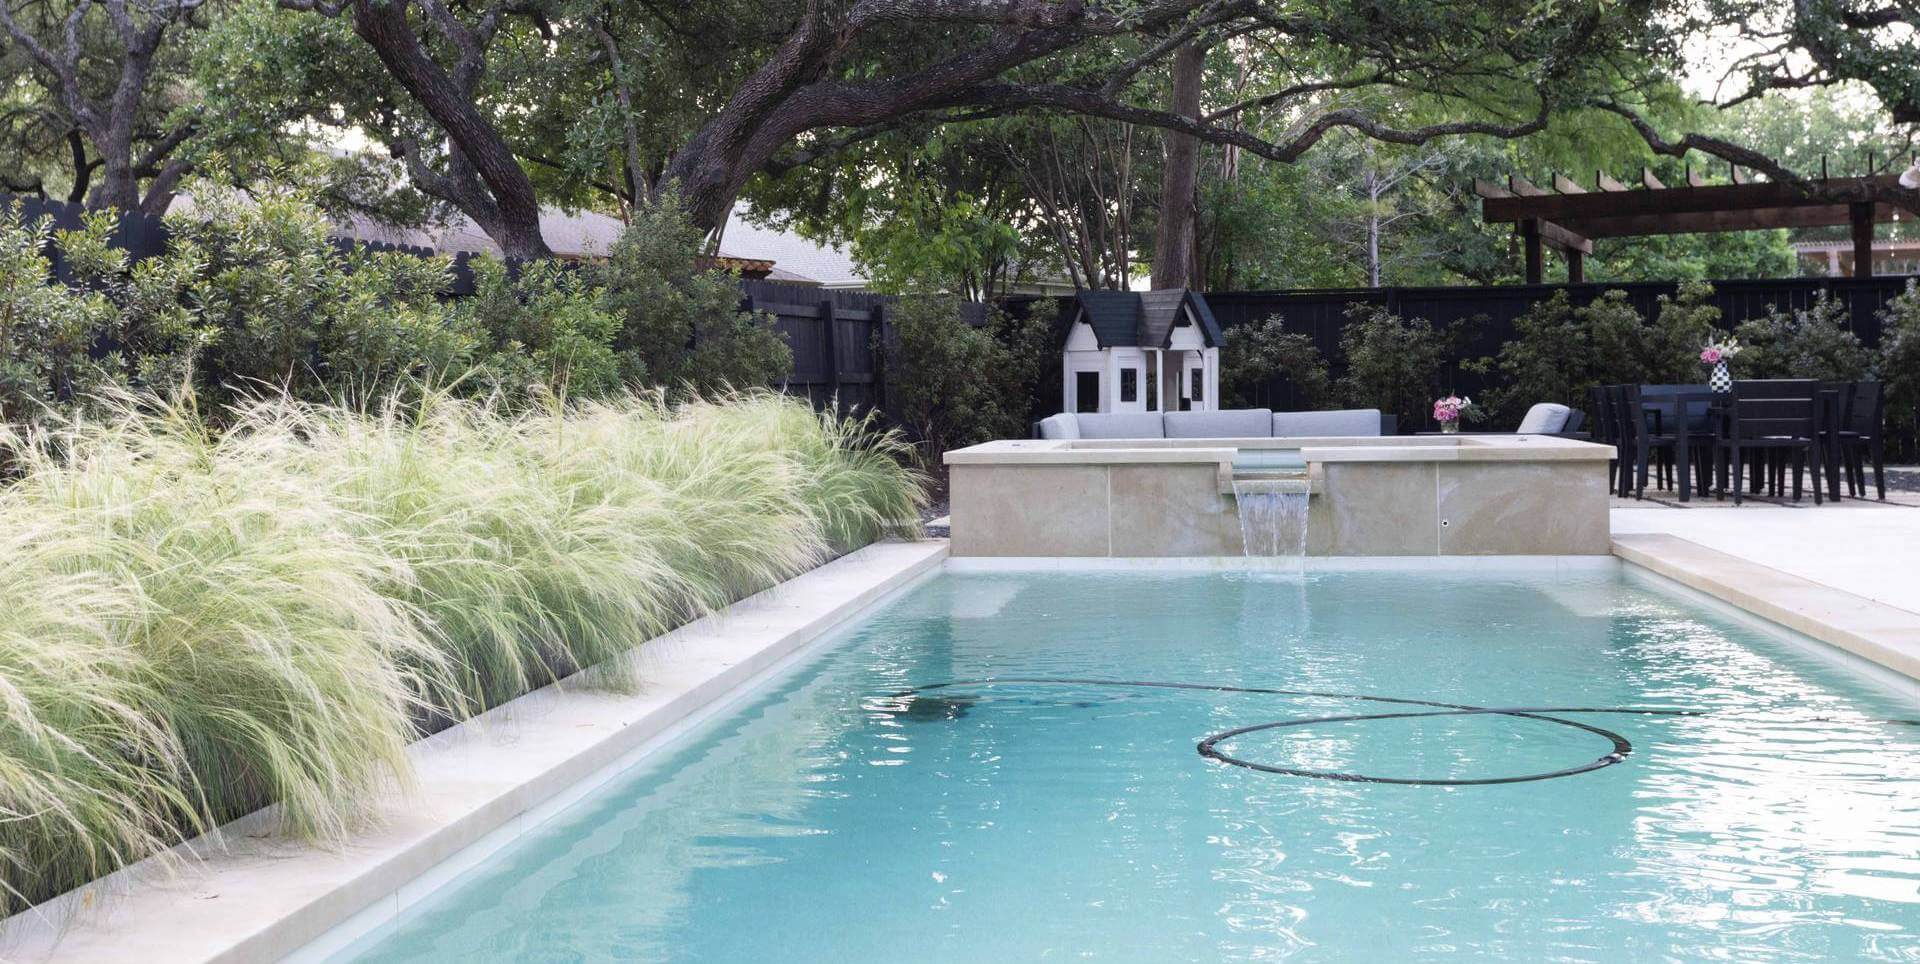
994, 135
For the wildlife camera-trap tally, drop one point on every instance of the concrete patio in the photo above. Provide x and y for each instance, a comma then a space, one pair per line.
1868, 548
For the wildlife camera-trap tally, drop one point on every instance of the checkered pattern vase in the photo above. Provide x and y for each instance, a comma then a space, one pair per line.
1721, 380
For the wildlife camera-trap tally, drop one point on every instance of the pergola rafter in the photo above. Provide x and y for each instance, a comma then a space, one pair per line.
1568, 217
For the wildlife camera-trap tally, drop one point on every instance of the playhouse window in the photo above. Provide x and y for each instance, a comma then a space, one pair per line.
1199, 382
1129, 384
1086, 391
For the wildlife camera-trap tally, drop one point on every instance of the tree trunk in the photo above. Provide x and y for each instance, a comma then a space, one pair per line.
507, 209
1179, 177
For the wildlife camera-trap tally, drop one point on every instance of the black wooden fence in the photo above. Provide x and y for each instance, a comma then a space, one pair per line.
837, 336
1490, 311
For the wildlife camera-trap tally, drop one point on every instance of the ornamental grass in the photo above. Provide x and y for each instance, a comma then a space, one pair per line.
196, 623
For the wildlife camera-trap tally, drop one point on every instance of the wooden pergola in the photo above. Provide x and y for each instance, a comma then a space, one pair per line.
1568, 217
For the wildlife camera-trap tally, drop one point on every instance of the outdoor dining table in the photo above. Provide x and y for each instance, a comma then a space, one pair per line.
1683, 401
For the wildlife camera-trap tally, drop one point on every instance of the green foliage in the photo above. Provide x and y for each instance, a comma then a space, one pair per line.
1254, 355
1561, 350
282, 306
680, 325
1394, 364
1814, 342
544, 330
45, 330
952, 384
1899, 366
197, 620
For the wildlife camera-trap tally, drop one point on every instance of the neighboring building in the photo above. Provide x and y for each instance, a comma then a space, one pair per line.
1835, 258
1141, 351
756, 250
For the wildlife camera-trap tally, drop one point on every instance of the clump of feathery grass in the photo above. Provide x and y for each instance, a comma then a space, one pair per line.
195, 623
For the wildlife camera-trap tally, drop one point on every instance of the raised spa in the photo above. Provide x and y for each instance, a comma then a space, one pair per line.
1364, 496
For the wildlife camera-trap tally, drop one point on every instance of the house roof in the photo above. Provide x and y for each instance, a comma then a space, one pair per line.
803, 260
1137, 319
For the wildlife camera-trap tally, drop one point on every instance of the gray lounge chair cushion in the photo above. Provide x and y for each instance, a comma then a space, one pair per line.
1544, 418
1346, 422
1121, 425
1229, 423
1061, 426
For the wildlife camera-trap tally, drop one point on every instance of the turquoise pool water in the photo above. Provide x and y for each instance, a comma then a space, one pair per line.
830, 818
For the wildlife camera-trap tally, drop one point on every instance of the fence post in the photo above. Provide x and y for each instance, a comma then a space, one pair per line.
827, 318
879, 349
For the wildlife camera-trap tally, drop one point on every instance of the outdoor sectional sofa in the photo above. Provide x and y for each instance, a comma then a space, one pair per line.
1228, 423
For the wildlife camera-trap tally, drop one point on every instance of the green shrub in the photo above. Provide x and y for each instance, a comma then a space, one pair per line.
45, 330
952, 384
681, 326
544, 331
1899, 367
272, 301
1254, 355
1394, 364
1814, 342
196, 621
1561, 350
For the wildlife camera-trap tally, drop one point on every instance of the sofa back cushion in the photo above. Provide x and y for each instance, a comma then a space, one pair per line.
1544, 418
1230, 423
1061, 426
1347, 422
1120, 425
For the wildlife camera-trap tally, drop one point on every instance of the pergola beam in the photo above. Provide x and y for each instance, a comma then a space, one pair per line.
1758, 219
1712, 198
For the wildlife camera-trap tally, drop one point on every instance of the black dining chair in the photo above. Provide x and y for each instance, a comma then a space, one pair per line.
1862, 436
1659, 425
1611, 403
1773, 421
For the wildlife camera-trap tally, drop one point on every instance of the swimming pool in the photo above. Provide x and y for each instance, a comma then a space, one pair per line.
881, 802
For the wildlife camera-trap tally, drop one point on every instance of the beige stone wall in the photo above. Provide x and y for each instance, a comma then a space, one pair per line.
1386, 508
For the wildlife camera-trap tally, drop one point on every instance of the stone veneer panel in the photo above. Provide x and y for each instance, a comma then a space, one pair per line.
1030, 510
1523, 508
1172, 510
1377, 509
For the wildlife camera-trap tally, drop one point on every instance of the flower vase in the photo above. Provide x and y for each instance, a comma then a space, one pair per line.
1450, 428
1721, 379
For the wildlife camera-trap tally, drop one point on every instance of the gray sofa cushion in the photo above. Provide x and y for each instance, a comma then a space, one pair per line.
1347, 422
1230, 423
1121, 425
1061, 426
1544, 418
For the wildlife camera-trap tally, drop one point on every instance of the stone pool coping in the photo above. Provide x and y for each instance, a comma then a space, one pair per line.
480, 785
1872, 630
1381, 448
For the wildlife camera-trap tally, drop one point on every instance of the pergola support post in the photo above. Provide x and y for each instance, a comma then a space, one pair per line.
1530, 239
1860, 217
1576, 266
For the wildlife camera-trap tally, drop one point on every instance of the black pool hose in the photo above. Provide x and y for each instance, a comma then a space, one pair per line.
1209, 747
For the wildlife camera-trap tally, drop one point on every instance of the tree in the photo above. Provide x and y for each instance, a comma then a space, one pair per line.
784, 85
102, 72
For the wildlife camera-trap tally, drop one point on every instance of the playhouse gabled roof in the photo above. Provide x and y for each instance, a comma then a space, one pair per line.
1143, 319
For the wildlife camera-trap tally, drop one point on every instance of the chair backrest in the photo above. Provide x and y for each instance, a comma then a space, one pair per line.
1866, 408
1699, 414
1602, 419
1774, 408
